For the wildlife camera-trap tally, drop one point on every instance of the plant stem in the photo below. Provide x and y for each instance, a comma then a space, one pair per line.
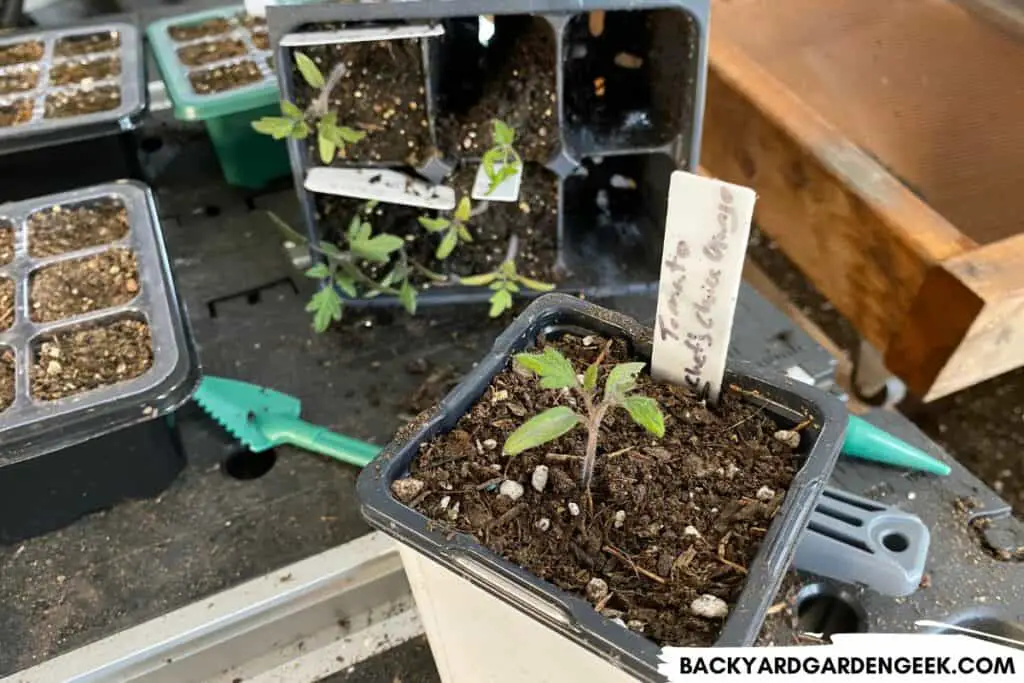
513, 248
480, 209
319, 106
590, 456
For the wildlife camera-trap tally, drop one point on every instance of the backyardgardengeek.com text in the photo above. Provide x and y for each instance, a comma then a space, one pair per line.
848, 666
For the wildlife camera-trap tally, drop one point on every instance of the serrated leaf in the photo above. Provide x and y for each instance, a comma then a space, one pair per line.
621, 380
590, 377
407, 295
377, 249
541, 429
554, 369
291, 111
275, 126
447, 246
535, 285
326, 308
328, 150
501, 301
309, 70
350, 135
463, 210
434, 224
478, 280
503, 134
646, 413
346, 285
319, 271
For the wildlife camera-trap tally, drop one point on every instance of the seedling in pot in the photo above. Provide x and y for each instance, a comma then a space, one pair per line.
501, 168
556, 372
454, 230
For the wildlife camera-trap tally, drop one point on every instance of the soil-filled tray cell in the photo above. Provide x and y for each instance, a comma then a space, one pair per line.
261, 39
70, 73
69, 288
21, 53
204, 29
6, 303
65, 229
212, 51
252, 23
381, 92
75, 46
67, 363
81, 102
6, 242
21, 80
228, 77
628, 79
621, 201
6, 378
15, 113
505, 70
690, 508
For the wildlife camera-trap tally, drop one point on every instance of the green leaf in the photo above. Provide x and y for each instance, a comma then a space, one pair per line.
590, 377
328, 150
478, 280
363, 231
291, 111
464, 234
646, 413
491, 158
350, 135
554, 369
330, 119
319, 271
510, 287
326, 308
347, 285
501, 175
463, 210
501, 301
302, 130
503, 134
535, 285
540, 429
310, 73
379, 248
621, 380
434, 224
447, 246
407, 295
277, 127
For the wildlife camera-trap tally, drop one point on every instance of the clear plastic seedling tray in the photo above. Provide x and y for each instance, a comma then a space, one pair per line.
30, 424
37, 75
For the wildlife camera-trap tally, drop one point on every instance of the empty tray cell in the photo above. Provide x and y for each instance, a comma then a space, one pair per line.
533, 221
628, 79
227, 77
90, 43
21, 53
6, 303
81, 359
614, 218
211, 27
20, 80
261, 39
211, 51
6, 378
64, 229
381, 92
15, 113
502, 69
61, 105
69, 73
69, 288
6, 242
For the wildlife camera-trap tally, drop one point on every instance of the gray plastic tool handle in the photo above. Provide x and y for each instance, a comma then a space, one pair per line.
859, 541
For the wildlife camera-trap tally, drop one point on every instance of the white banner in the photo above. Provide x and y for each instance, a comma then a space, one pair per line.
853, 657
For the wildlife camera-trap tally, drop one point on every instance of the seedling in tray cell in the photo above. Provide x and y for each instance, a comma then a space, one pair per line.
502, 163
505, 282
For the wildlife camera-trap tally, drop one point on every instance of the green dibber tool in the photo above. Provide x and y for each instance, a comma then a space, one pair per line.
867, 442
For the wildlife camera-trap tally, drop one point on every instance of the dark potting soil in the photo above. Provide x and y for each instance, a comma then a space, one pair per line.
533, 220
72, 288
61, 229
6, 303
69, 363
382, 93
6, 378
221, 78
696, 504
20, 53
19, 81
212, 51
204, 29
518, 87
73, 46
6, 243
15, 113
76, 72
64, 104
261, 39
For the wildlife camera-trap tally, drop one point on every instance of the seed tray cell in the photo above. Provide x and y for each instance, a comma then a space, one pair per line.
53, 339
65, 84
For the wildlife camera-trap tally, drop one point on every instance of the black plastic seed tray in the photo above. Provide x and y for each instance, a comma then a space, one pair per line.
606, 102
788, 401
95, 356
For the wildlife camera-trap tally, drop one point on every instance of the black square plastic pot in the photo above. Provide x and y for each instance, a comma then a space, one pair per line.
787, 401
631, 101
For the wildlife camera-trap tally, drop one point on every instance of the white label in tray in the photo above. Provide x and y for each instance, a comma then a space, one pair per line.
706, 233
380, 184
361, 35
506, 191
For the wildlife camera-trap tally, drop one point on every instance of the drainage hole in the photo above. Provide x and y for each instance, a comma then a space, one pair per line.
826, 610
895, 542
247, 466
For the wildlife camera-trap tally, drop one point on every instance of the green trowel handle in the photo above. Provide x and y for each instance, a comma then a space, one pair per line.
318, 439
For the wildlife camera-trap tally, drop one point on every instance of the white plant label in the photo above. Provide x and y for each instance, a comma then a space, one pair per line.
362, 35
506, 191
706, 233
380, 184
